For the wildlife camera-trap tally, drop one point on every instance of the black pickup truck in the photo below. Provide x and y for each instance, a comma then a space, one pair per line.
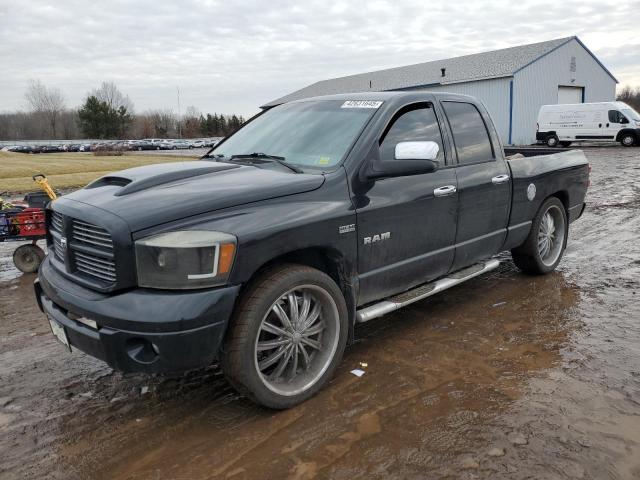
315, 216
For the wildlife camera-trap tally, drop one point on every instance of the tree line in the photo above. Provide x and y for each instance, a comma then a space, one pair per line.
106, 113
630, 96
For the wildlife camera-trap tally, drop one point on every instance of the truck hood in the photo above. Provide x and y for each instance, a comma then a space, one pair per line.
155, 194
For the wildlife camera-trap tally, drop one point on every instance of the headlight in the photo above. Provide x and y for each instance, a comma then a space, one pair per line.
185, 259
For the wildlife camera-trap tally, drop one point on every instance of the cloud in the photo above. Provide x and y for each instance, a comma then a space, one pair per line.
232, 57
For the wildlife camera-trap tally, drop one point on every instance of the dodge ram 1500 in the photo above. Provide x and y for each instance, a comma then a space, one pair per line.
316, 215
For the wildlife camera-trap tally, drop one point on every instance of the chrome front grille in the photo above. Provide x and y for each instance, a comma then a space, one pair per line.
87, 262
56, 222
95, 266
58, 251
93, 235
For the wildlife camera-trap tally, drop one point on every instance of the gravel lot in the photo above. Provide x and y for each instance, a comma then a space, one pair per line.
507, 376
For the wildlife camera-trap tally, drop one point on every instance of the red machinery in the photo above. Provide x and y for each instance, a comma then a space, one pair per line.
19, 223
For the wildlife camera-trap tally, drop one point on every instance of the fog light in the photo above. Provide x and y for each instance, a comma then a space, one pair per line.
142, 350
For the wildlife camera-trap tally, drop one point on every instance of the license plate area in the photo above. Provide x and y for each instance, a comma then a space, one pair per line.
59, 332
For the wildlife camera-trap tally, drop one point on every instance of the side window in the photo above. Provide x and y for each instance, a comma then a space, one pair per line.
614, 116
416, 123
470, 133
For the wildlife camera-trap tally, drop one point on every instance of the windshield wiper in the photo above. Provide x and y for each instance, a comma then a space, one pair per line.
264, 156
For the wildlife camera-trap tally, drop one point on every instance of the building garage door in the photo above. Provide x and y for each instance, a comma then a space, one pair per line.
569, 94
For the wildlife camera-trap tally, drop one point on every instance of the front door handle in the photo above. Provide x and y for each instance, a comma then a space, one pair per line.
445, 191
607, 125
498, 179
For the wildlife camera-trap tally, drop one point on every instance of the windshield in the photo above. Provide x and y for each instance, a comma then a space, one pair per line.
631, 114
313, 134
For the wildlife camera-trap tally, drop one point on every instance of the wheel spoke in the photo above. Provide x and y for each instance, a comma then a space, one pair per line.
268, 327
270, 360
306, 306
294, 363
281, 314
271, 344
314, 330
313, 316
284, 361
312, 343
305, 357
293, 309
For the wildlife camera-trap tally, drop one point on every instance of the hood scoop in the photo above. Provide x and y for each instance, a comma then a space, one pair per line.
142, 178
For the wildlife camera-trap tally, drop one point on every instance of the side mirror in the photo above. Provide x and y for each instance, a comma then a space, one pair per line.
410, 158
417, 151
624, 120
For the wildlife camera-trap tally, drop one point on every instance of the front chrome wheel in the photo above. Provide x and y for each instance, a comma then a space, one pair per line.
551, 235
297, 340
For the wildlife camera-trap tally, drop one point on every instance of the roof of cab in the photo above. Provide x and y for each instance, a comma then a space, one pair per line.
383, 96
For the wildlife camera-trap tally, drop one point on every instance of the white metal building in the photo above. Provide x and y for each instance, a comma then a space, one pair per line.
513, 82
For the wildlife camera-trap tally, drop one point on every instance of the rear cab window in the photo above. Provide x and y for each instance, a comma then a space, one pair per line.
470, 134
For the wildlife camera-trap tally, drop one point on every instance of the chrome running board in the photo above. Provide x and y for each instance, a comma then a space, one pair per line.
402, 300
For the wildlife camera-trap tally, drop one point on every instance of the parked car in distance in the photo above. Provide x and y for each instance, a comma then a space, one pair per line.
198, 143
84, 147
593, 122
182, 144
156, 143
50, 149
268, 252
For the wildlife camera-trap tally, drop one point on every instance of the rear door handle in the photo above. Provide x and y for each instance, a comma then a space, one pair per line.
498, 179
445, 191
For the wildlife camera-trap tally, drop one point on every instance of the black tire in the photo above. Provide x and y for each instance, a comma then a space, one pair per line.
527, 256
565, 144
241, 356
552, 141
27, 258
627, 139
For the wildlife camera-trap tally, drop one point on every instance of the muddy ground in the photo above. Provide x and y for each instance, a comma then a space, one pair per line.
507, 376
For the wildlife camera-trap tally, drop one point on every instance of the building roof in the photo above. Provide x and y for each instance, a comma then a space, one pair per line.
480, 66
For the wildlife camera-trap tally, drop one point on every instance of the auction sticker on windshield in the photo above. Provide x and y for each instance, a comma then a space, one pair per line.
361, 104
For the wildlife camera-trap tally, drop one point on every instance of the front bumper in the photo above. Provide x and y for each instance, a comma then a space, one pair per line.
140, 330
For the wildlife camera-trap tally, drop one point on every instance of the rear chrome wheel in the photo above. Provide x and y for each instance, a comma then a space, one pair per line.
286, 337
542, 251
551, 235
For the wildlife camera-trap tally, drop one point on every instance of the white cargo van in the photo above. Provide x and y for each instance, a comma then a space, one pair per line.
590, 122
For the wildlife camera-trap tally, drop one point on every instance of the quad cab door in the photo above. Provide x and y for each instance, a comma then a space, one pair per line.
484, 184
406, 225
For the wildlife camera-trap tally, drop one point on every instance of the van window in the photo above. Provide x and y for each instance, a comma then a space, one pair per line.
413, 124
470, 133
613, 116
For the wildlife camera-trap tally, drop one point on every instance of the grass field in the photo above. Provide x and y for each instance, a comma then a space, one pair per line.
66, 170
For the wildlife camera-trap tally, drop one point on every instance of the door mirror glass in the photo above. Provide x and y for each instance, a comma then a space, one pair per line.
425, 150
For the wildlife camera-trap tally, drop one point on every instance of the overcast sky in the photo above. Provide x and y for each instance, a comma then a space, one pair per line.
231, 57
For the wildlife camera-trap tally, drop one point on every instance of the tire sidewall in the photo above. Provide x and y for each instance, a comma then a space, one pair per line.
632, 140
552, 141
254, 310
22, 252
535, 228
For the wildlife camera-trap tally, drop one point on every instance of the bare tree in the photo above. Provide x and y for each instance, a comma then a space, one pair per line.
48, 102
113, 97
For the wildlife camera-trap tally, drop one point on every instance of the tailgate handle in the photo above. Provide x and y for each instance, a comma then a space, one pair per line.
497, 180
445, 191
